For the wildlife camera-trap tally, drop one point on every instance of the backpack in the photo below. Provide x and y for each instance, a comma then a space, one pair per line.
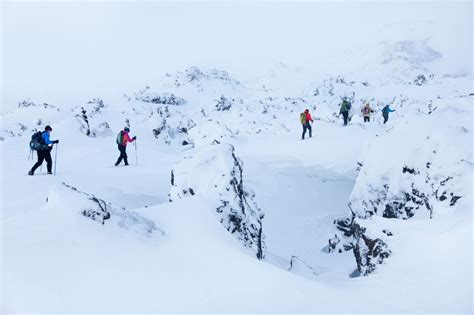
366, 110
348, 105
119, 138
37, 141
345, 106
303, 118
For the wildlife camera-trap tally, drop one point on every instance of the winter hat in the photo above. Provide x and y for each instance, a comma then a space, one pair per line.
126, 129
48, 128
306, 110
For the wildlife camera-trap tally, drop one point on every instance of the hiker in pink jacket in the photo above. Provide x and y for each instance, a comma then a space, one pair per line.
122, 140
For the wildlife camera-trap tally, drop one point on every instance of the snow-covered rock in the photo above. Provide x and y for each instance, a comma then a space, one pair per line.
422, 169
300, 267
90, 120
215, 173
68, 198
417, 169
197, 77
210, 132
147, 96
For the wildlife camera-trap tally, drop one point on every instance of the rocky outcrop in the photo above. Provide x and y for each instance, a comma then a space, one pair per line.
369, 252
214, 172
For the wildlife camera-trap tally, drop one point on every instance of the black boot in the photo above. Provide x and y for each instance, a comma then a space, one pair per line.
31, 173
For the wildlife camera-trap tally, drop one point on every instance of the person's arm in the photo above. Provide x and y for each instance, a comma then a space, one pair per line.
127, 138
46, 138
390, 110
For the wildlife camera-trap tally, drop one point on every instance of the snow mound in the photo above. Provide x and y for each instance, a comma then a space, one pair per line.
402, 61
215, 173
195, 76
65, 196
210, 132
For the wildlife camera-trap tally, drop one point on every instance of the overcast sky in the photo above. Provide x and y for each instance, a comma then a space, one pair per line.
51, 50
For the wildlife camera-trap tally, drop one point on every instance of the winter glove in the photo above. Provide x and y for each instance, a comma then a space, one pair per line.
56, 141
135, 138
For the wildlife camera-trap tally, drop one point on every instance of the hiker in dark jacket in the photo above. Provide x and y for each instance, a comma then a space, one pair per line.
122, 139
305, 121
345, 107
44, 152
385, 112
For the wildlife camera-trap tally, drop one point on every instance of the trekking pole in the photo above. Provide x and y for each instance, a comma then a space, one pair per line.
55, 159
136, 154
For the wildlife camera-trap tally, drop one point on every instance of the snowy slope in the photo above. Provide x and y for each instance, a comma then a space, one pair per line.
225, 209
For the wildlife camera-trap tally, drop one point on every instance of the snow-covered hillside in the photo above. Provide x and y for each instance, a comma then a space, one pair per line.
225, 209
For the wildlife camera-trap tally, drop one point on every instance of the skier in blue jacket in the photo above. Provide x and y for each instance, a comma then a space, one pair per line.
385, 112
44, 153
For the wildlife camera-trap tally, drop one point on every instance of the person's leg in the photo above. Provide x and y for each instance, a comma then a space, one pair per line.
345, 115
310, 130
49, 161
40, 161
304, 131
385, 118
119, 160
368, 119
125, 157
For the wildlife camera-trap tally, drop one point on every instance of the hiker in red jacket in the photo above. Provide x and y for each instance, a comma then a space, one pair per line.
305, 121
122, 139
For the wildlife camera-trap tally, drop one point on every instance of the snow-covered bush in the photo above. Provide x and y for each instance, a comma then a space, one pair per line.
215, 173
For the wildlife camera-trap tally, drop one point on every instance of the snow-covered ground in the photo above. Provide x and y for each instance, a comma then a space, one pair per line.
225, 209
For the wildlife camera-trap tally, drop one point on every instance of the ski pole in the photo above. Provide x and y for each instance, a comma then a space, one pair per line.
55, 159
136, 154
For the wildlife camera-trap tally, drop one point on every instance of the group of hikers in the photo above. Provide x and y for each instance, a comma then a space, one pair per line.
43, 145
345, 107
366, 111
